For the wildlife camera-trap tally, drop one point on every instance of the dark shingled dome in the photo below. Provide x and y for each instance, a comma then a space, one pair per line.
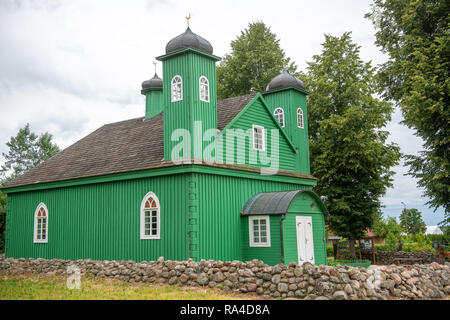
188, 39
284, 80
155, 82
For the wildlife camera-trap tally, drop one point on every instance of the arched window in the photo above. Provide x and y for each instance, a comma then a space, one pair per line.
204, 89
41, 224
150, 220
279, 115
177, 89
300, 118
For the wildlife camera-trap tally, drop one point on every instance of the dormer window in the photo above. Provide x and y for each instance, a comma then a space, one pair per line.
279, 115
204, 89
300, 118
259, 138
177, 89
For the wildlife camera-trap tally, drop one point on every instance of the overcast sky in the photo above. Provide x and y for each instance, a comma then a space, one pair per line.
68, 67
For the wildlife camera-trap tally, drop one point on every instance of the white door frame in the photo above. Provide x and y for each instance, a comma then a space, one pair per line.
305, 239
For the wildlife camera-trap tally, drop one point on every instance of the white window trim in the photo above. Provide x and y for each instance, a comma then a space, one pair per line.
250, 231
282, 113
200, 86
36, 240
158, 218
171, 89
303, 119
263, 134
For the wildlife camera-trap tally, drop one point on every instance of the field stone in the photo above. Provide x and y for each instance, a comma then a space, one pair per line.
298, 271
282, 287
339, 295
396, 278
424, 281
202, 279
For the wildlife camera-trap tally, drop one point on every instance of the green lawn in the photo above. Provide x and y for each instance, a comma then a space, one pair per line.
40, 287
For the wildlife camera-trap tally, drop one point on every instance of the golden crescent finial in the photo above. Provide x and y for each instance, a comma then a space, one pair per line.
188, 18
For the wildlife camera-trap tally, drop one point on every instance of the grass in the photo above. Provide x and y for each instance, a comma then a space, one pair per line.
44, 287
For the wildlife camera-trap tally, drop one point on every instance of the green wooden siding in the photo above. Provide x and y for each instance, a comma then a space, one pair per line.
270, 255
183, 114
257, 114
290, 100
100, 221
154, 103
221, 199
200, 217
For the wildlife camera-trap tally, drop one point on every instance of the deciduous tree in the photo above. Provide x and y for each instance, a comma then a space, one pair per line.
349, 152
256, 58
26, 150
416, 37
411, 221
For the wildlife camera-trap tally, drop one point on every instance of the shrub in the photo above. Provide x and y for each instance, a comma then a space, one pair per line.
381, 247
330, 252
417, 243
391, 242
435, 237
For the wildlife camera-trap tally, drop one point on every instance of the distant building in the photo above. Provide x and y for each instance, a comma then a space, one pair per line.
433, 230
332, 238
376, 239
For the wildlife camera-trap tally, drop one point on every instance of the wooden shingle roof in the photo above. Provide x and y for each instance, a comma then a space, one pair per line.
129, 145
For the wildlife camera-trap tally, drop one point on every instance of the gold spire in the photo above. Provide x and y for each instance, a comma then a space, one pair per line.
187, 19
284, 63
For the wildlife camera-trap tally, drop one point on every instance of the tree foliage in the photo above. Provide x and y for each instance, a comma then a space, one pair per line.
411, 221
256, 58
26, 150
349, 153
415, 35
384, 227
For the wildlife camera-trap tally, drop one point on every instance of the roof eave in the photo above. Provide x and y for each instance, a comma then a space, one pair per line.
307, 93
186, 50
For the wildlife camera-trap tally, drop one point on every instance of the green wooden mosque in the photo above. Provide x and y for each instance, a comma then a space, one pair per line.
194, 178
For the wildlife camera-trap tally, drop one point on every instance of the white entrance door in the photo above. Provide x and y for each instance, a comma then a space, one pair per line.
305, 243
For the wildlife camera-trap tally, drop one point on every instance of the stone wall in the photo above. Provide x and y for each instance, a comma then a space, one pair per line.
390, 257
255, 277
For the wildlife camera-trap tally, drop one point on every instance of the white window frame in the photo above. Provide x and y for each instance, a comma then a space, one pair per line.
36, 218
204, 98
300, 124
263, 137
279, 114
158, 218
176, 98
251, 234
